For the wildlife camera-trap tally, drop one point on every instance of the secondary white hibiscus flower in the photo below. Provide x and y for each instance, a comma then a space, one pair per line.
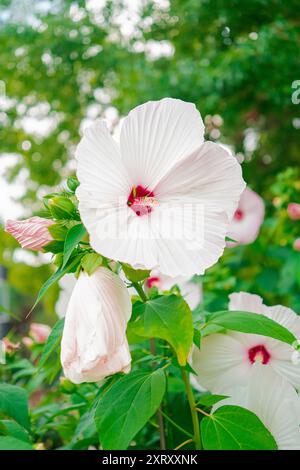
162, 198
94, 343
226, 360
274, 401
191, 291
247, 219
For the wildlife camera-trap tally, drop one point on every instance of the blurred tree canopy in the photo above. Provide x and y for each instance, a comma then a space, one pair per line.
66, 62
234, 59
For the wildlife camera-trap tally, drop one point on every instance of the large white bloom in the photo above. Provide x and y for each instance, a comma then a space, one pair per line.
162, 198
274, 401
226, 360
94, 343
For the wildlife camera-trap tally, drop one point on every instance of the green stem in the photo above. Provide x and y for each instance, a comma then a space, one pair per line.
140, 291
176, 425
162, 436
191, 400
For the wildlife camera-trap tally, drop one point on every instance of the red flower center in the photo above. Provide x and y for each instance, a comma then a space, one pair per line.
152, 281
259, 354
239, 214
141, 200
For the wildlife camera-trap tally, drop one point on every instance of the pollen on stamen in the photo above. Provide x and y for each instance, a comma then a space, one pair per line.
141, 200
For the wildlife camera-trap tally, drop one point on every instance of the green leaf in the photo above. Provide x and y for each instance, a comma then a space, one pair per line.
11, 428
58, 231
70, 267
14, 403
8, 312
235, 428
135, 275
11, 443
127, 406
91, 262
74, 236
247, 322
168, 318
210, 400
53, 341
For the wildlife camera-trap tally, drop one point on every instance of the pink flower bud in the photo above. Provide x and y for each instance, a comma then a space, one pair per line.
293, 211
296, 244
39, 332
31, 233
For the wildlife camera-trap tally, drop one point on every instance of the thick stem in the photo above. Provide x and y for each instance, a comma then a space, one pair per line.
191, 400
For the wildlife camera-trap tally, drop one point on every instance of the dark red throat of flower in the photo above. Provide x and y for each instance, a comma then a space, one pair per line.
152, 281
238, 215
259, 354
141, 200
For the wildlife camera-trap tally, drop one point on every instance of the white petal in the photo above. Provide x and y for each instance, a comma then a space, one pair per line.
277, 404
285, 316
94, 342
245, 230
156, 135
102, 176
210, 175
246, 302
274, 401
221, 363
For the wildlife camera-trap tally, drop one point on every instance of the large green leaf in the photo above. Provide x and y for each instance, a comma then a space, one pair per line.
168, 318
53, 341
74, 236
235, 428
247, 322
14, 403
127, 406
11, 443
13, 429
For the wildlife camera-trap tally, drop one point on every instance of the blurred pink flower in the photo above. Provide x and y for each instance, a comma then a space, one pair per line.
296, 244
10, 347
27, 341
293, 211
247, 218
39, 332
31, 233
94, 343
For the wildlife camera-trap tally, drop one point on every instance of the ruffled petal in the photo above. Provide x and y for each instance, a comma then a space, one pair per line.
210, 175
101, 173
221, 363
156, 135
245, 302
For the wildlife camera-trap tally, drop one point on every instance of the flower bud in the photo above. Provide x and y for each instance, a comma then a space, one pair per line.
31, 233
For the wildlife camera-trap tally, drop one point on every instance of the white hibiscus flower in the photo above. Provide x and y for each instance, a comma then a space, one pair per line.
274, 401
226, 360
162, 198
